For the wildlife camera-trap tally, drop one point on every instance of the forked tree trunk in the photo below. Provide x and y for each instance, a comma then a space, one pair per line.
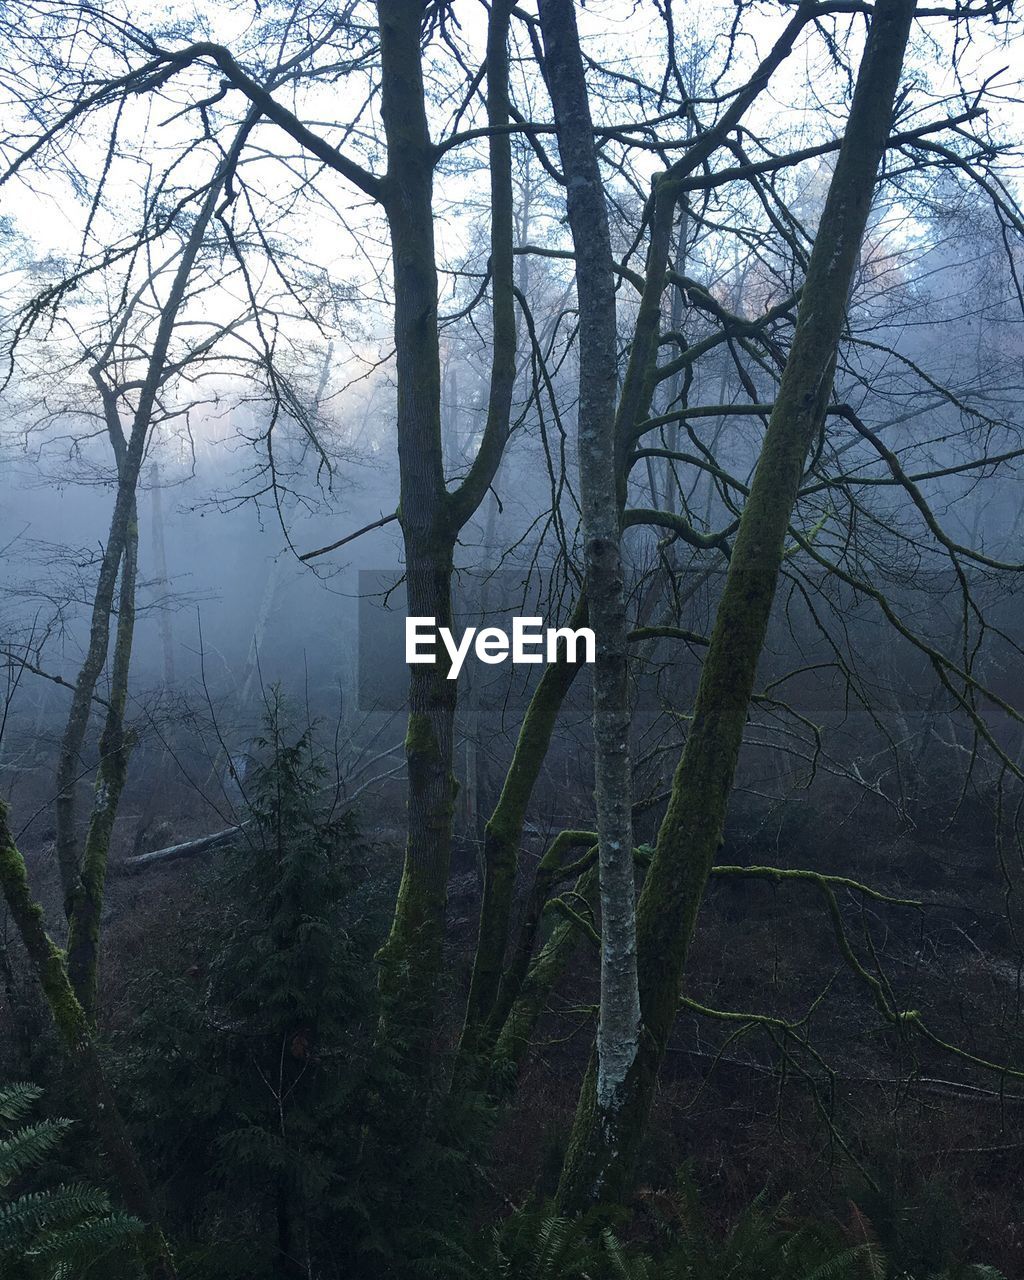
129, 456
494, 994
431, 517
602, 1153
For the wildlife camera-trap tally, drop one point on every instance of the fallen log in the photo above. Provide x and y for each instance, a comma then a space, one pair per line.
218, 839
186, 849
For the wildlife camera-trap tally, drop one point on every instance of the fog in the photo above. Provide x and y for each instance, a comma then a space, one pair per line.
227, 607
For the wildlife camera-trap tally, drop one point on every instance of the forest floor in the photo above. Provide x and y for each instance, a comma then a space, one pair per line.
741, 1110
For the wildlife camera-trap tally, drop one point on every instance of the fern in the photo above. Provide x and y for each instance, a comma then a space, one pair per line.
24, 1219
860, 1228
539, 1244
17, 1100
621, 1266
54, 1233
763, 1245
28, 1147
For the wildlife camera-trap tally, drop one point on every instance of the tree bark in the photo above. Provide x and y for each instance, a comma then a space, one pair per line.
111, 775
532, 994
493, 994
73, 1028
502, 837
129, 455
601, 479
410, 958
431, 517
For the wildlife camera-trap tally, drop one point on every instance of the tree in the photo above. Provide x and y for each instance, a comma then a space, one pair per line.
431, 515
142, 395
279, 1017
600, 486
691, 831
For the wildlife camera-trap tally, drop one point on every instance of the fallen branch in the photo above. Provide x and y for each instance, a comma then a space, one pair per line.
187, 849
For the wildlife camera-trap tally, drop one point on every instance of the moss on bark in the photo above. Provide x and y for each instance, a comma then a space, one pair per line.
502, 838
72, 1026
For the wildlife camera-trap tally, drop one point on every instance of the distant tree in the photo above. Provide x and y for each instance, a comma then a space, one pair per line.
275, 1028
288, 989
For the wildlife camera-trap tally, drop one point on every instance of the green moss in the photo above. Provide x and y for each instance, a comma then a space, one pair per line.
502, 837
524, 996
408, 960
421, 751
47, 957
577, 1149
419, 736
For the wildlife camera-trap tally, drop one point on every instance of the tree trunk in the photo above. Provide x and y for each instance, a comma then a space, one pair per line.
411, 956
430, 516
502, 837
129, 456
532, 994
73, 1029
111, 775
600, 476
492, 994
603, 1149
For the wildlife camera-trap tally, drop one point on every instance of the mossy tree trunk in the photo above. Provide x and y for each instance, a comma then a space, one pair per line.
431, 517
111, 776
530, 996
602, 1154
73, 1028
491, 988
